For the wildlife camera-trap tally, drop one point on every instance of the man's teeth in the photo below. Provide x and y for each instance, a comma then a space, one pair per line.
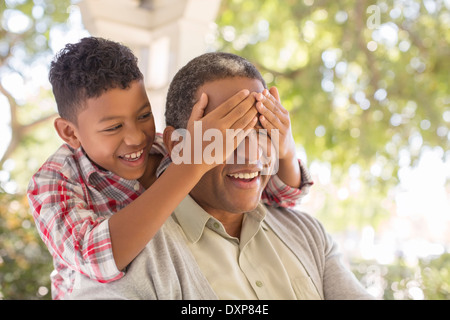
134, 155
246, 175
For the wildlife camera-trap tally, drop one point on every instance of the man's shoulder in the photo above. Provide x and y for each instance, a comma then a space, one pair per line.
296, 222
280, 213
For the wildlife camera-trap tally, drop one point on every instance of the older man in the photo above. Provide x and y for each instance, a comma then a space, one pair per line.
221, 242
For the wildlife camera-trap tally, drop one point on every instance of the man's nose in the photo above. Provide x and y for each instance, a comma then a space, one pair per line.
249, 151
134, 136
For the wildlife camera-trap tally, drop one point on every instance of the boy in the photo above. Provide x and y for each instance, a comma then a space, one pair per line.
97, 201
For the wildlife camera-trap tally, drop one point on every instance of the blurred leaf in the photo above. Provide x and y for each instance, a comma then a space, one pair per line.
428, 280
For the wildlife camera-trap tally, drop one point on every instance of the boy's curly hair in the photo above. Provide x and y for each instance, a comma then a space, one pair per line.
204, 68
87, 69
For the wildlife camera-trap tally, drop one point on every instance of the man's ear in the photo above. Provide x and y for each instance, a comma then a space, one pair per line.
167, 138
67, 131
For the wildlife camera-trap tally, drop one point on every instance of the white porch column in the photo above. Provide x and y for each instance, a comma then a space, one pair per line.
163, 34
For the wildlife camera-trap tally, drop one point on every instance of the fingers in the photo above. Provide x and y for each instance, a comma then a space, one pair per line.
273, 102
274, 92
273, 114
267, 124
235, 113
199, 108
229, 105
243, 111
242, 121
268, 118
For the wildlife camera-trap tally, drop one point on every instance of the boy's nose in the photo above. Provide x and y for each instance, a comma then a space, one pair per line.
134, 136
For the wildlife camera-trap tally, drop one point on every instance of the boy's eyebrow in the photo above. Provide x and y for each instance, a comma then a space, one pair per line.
109, 118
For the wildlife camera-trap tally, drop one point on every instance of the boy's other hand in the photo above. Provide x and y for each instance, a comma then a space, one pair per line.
274, 116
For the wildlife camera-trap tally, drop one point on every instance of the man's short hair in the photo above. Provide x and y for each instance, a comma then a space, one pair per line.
87, 69
205, 68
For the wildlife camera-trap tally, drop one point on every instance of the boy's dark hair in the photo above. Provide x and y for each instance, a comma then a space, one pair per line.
87, 69
205, 68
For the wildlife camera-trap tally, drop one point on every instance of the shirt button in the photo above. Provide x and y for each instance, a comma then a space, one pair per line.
216, 225
259, 283
136, 186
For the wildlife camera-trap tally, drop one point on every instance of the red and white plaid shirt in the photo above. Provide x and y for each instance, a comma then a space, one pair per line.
71, 199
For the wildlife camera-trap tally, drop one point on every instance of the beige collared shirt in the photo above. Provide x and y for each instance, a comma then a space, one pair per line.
256, 266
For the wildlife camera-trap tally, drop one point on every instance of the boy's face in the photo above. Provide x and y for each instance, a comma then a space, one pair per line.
117, 130
220, 190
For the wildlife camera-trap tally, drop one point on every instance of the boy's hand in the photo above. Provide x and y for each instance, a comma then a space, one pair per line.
237, 113
274, 116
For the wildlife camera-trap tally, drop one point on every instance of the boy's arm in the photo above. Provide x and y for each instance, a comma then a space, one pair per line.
98, 244
278, 194
64, 215
135, 225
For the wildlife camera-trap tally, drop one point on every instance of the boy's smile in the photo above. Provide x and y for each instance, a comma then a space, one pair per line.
133, 157
117, 129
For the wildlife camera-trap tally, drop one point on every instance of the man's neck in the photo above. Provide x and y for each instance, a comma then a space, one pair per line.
232, 222
149, 175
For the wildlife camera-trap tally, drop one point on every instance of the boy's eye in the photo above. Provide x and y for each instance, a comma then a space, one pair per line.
145, 115
114, 128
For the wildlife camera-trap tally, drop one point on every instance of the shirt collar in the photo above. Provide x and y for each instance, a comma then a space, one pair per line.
88, 168
193, 218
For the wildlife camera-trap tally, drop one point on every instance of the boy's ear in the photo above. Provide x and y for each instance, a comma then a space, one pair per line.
67, 131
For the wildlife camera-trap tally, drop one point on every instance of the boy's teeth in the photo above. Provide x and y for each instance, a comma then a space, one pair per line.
134, 155
246, 175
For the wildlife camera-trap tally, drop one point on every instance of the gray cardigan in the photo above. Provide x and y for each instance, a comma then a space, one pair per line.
166, 269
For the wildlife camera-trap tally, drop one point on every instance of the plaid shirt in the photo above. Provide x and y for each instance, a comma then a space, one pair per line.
71, 199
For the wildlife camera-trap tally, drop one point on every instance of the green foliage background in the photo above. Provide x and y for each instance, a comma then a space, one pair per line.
358, 94
351, 105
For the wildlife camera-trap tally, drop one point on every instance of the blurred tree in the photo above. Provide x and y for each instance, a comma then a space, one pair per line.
25, 43
429, 279
436, 277
365, 82
25, 263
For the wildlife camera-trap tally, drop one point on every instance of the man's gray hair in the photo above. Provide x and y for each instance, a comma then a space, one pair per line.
208, 67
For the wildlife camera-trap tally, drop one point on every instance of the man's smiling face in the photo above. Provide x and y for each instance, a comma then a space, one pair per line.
232, 188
